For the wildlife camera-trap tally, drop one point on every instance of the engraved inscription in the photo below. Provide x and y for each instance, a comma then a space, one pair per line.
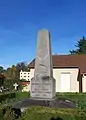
46, 88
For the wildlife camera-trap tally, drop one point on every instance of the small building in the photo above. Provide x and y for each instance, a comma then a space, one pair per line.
24, 75
69, 72
24, 80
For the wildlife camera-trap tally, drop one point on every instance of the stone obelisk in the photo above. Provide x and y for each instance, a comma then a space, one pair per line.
43, 83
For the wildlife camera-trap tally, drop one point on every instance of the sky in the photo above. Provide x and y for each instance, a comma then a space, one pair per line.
20, 21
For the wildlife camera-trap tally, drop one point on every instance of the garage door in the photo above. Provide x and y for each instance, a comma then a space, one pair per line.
65, 82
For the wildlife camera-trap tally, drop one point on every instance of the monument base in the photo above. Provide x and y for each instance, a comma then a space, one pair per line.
21, 106
42, 87
54, 103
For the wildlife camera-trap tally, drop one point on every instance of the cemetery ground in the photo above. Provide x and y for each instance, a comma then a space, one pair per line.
43, 113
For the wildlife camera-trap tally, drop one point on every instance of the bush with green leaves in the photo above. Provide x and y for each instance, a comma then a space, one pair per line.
8, 83
4, 96
6, 113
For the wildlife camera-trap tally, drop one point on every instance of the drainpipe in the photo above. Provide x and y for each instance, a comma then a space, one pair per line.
83, 76
82, 81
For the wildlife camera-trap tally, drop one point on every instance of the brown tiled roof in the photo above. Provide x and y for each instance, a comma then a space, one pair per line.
62, 61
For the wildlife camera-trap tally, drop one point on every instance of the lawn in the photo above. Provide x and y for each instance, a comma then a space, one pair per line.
79, 98
44, 113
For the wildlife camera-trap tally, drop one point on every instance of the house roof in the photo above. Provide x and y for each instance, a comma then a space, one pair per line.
66, 61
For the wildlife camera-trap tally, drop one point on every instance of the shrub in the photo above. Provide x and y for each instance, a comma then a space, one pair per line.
44, 113
6, 113
5, 96
8, 83
13, 96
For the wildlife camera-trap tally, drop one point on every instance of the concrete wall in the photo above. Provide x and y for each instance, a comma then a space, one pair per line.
31, 73
84, 83
74, 87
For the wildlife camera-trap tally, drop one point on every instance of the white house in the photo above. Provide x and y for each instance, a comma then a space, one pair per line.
24, 75
69, 72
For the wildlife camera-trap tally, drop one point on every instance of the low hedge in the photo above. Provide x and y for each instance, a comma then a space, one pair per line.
5, 96
43, 113
12, 96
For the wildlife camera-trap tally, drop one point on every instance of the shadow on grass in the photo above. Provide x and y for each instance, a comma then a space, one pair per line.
58, 118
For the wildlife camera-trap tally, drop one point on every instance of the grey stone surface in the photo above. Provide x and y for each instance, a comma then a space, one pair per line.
43, 83
54, 103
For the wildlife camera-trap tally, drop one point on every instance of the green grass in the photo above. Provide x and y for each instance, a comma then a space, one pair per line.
22, 95
44, 113
79, 98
